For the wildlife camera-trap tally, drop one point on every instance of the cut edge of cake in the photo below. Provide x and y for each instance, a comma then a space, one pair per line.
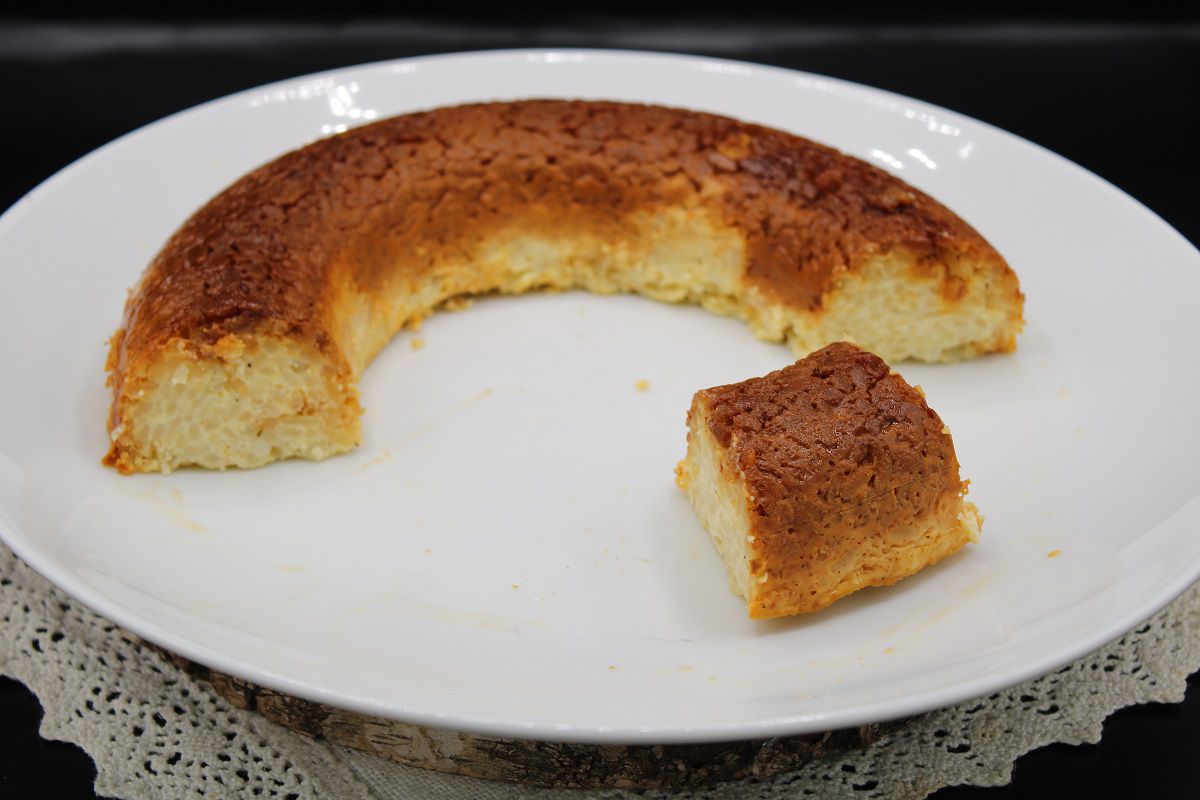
242, 402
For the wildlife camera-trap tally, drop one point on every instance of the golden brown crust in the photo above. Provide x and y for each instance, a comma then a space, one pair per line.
416, 186
834, 452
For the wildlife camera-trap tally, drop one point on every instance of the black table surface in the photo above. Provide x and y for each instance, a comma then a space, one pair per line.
1119, 96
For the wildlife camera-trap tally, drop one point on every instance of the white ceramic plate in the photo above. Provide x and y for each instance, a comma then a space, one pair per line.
506, 552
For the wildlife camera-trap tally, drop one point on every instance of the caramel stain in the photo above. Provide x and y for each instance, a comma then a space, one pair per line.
173, 510
385, 455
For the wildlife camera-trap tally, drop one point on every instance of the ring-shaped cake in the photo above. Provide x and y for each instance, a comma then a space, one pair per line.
245, 337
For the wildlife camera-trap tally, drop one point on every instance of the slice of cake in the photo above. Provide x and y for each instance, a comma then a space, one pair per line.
823, 478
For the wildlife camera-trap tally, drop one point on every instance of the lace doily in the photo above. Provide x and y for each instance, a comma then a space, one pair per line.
155, 732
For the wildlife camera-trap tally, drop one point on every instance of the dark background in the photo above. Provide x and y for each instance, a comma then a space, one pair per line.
1115, 90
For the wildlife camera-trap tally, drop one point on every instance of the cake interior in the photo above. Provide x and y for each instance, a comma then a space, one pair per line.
711, 481
244, 403
892, 305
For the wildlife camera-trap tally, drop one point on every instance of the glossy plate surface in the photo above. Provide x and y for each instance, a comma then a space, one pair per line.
506, 552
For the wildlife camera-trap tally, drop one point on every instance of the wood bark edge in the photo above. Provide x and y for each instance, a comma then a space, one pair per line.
550, 764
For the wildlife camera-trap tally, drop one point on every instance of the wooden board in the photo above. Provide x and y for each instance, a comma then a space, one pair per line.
551, 764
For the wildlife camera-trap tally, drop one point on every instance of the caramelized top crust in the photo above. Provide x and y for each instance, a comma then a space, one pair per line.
831, 450
404, 194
